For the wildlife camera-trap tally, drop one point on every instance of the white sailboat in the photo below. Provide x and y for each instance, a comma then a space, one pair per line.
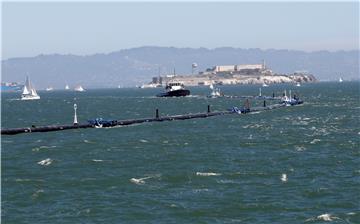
67, 87
340, 79
79, 89
29, 92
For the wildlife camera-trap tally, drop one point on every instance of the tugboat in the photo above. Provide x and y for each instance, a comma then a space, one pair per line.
174, 89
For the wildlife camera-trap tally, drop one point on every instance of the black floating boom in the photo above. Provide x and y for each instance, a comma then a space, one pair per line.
14, 131
157, 118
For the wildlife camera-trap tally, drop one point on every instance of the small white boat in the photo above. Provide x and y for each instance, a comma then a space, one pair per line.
290, 101
215, 92
67, 87
340, 79
29, 92
265, 85
49, 88
79, 89
150, 85
298, 84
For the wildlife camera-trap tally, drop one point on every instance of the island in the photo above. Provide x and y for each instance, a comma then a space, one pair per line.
232, 75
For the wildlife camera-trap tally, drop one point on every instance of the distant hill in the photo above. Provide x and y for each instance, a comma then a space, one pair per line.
135, 66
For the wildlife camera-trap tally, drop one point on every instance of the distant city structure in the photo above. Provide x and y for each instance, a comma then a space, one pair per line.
10, 87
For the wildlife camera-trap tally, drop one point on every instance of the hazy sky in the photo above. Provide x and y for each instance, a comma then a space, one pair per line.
29, 29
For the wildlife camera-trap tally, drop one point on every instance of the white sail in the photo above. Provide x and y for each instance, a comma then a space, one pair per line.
67, 87
33, 92
27, 87
25, 91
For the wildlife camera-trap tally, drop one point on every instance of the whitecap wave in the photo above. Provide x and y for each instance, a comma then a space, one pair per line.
324, 217
45, 162
28, 180
200, 190
9, 141
37, 193
98, 160
207, 174
87, 141
36, 149
226, 182
300, 148
22, 180
315, 141
284, 177
141, 181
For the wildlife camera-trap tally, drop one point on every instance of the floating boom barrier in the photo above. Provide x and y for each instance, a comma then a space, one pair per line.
157, 118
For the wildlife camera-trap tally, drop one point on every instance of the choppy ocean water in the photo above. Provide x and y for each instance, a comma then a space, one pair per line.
291, 165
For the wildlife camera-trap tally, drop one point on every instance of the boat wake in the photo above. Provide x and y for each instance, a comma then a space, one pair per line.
13, 99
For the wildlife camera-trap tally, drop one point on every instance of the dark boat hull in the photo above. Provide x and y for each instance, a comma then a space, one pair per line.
175, 93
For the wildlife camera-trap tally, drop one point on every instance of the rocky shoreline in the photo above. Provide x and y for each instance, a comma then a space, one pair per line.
233, 79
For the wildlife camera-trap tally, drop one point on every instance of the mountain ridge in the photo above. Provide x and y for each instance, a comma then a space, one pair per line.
134, 66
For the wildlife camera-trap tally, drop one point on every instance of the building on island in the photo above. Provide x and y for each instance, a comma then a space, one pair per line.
239, 68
